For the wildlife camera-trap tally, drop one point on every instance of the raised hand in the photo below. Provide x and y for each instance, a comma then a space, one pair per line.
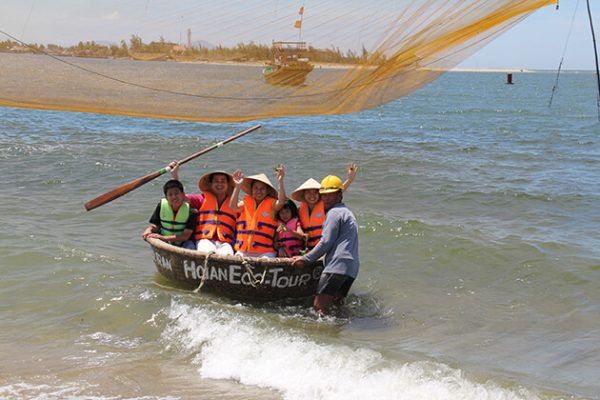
238, 177
280, 172
352, 170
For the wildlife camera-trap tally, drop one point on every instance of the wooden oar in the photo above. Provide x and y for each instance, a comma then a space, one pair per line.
136, 183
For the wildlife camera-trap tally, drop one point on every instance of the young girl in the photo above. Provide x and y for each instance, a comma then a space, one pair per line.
290, 239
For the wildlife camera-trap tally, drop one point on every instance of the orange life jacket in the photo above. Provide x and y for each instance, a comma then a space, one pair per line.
215, 223
256, 226
312, 222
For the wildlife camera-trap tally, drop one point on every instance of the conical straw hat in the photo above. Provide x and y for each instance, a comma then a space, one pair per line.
204, 182
247, 184
310, 183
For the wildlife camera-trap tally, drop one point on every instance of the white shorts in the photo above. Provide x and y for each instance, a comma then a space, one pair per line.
221, 248
257, 255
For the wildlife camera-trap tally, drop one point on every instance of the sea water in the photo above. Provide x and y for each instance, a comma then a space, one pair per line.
479, 214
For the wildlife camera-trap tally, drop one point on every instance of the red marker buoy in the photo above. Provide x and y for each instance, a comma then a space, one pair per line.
509, 79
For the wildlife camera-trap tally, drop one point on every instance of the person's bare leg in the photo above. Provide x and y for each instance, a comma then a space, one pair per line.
322, 304
338, 300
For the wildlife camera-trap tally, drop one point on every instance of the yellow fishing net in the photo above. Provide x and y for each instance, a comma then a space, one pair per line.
237, 60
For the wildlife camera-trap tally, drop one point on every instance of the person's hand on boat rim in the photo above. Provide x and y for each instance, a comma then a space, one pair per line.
298, 262
238, 177
147, 232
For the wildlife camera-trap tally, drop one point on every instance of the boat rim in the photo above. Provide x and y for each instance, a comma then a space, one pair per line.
263, 262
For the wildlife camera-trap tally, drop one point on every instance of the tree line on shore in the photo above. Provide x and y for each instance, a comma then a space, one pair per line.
163, 50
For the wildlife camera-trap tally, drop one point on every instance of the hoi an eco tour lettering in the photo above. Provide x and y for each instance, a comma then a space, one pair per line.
237, 275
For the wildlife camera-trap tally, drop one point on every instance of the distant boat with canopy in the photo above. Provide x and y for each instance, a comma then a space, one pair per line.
289, 65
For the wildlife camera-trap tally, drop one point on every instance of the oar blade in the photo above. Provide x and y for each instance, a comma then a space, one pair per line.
121, 190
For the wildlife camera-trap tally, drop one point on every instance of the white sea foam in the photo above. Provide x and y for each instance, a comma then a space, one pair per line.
230, 345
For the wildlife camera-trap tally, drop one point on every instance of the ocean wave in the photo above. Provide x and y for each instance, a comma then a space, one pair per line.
232, 346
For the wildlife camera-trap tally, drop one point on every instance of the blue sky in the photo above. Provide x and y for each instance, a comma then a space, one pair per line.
535, 43
539, 41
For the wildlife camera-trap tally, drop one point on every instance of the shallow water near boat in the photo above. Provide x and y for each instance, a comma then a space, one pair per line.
478, 208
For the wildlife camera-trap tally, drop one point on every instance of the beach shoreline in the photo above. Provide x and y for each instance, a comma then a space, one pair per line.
318, 65
321, 65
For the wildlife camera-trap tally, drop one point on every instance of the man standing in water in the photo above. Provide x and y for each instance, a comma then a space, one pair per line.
339, 244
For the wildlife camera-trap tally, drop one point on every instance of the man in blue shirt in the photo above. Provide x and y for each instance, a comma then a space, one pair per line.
339, 244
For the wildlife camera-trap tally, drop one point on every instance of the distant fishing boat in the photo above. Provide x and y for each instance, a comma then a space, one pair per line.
289, 66
233, 276
149, 56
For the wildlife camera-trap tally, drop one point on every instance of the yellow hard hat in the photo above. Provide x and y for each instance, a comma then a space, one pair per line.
330, 184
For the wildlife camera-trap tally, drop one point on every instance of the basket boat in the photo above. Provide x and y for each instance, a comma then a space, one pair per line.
235, 276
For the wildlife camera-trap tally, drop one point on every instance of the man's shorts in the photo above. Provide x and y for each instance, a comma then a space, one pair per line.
334, 284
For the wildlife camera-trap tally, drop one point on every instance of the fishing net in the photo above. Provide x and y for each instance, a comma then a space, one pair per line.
238, 60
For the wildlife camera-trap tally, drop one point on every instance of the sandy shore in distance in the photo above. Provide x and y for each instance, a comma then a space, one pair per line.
263, 63
326, 65
319, 65
323, 65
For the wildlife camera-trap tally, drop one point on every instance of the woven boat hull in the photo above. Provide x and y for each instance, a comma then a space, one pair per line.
234, 276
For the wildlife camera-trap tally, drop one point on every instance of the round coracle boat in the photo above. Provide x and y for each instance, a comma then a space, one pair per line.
235, 276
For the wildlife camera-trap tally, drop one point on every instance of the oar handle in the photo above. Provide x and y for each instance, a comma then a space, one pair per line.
216, 145
136, 183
